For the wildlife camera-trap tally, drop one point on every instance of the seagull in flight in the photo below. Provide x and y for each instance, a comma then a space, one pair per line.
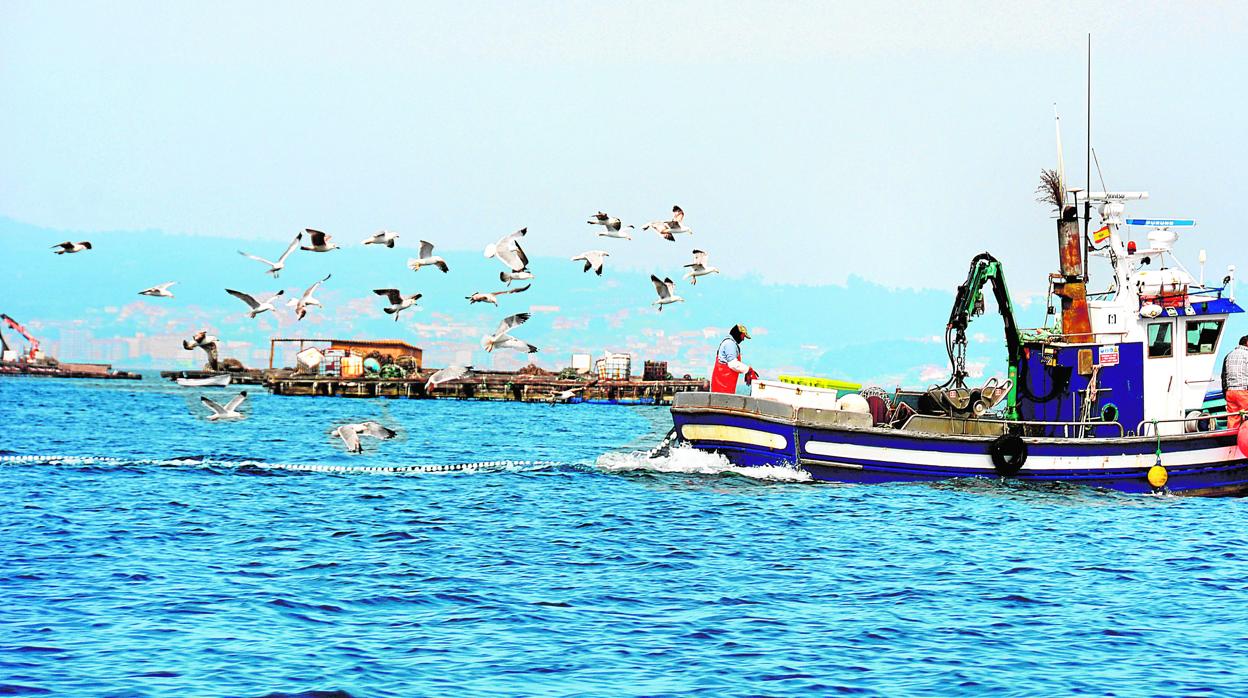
517, 261
504, 243
480, 297
302, 303
502, 340
446, 375
668, 229
699, 267
666, 288
382, 237
593, 260
611, 226
320, 241
161, 291
398, 301
427, 258
230, 411
256, 306
276, 267
71, 247
351, 433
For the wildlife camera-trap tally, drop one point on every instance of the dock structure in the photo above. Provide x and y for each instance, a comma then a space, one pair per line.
47, 369
492, 385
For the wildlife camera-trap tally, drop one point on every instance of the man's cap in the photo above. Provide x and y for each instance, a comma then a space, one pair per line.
745, 334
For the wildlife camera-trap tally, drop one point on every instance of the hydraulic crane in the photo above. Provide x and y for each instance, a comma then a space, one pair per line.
33, 351
968, 304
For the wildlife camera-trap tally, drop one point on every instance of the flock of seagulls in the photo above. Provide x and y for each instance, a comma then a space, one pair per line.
508, 250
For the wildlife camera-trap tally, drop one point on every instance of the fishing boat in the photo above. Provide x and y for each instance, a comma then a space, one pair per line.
1111, 394
219, 380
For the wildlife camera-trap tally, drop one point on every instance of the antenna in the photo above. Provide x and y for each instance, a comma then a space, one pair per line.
1099, 174
1087, 204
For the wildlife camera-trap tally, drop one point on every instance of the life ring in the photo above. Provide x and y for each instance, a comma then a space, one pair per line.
1008, 452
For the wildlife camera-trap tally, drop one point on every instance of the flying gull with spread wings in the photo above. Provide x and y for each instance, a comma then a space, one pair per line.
351, 433
398, 301
161, 291
256, 306
612, 227
492, 297
699, 267
382, 237
230, 411
320, 241
502, 340
670, 228
68, 247
276, 267
427, 258
593, 260
302, 303
446, 375
666, 288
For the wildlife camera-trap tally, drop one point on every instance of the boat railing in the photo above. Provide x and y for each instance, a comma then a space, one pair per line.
1067, 426
1210, 417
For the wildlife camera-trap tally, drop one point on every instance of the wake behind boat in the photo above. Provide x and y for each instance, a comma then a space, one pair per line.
1113, 395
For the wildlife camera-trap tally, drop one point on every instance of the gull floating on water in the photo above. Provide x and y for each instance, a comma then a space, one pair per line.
302, 303
71, 247
351, 433
398, 301
230, 411
446, 375
501, 340
666, 289
382, 237
699, 267
426, 258
320, 241
611, 226
280, 264
668, 229
257, 307
593, 260
492, 297
161, 291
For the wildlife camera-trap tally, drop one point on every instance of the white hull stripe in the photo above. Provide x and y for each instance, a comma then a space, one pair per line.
973, 461
737, 435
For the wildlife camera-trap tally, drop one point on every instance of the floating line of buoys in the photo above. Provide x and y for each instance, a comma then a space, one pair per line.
302, 467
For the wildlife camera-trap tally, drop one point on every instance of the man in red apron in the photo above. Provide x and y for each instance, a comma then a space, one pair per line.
728, 364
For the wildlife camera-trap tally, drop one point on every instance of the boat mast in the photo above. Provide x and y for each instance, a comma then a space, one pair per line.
1087, 202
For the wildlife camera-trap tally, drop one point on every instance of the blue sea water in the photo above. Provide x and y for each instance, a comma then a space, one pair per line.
184, 566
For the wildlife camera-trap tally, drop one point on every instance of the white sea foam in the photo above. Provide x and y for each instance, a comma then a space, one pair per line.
686, 459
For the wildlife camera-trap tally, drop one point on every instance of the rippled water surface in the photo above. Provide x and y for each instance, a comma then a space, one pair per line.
185, 566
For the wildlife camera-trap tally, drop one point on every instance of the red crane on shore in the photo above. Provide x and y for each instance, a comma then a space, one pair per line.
34, 343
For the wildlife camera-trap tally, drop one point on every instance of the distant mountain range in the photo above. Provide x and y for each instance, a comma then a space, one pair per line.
86, 307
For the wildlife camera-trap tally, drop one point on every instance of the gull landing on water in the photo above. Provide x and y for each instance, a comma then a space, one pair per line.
71, 247
699, 267
668, 229
480, 297
230, 411
611, 226
382, 237
320, 241
302, 303
427, 258
351, 433
666, 288
593, 260
398, 301
161, 291
501, 340
256, 306
276, 267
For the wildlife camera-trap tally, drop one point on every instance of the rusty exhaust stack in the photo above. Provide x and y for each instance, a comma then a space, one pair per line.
1069, 284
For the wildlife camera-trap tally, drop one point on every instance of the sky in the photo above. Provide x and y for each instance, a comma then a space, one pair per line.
826, 146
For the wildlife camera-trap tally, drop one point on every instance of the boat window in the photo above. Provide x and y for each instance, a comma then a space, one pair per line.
1202, 336
1160, 344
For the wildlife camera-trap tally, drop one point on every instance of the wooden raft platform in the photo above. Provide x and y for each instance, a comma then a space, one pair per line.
490, 386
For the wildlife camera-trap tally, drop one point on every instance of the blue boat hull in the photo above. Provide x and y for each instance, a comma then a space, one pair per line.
1204, 464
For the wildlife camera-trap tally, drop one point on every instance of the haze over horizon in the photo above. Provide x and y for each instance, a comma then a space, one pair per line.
865, 149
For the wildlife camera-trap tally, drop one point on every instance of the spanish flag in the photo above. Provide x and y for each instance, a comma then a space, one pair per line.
1099, 236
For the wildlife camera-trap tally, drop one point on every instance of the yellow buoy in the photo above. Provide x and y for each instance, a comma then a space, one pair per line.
1157, 476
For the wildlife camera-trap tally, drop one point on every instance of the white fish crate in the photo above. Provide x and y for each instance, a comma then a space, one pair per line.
795, 395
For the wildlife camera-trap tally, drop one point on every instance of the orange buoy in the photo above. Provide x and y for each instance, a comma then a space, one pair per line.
1243, 440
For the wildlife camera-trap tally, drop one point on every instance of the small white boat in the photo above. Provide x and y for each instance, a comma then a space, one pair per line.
218, 381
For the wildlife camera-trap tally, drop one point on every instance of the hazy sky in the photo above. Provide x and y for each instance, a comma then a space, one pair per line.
806, 141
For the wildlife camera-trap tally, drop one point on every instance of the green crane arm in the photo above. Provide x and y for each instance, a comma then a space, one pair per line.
970, 303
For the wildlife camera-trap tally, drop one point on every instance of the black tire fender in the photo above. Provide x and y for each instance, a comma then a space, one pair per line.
1009, 453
